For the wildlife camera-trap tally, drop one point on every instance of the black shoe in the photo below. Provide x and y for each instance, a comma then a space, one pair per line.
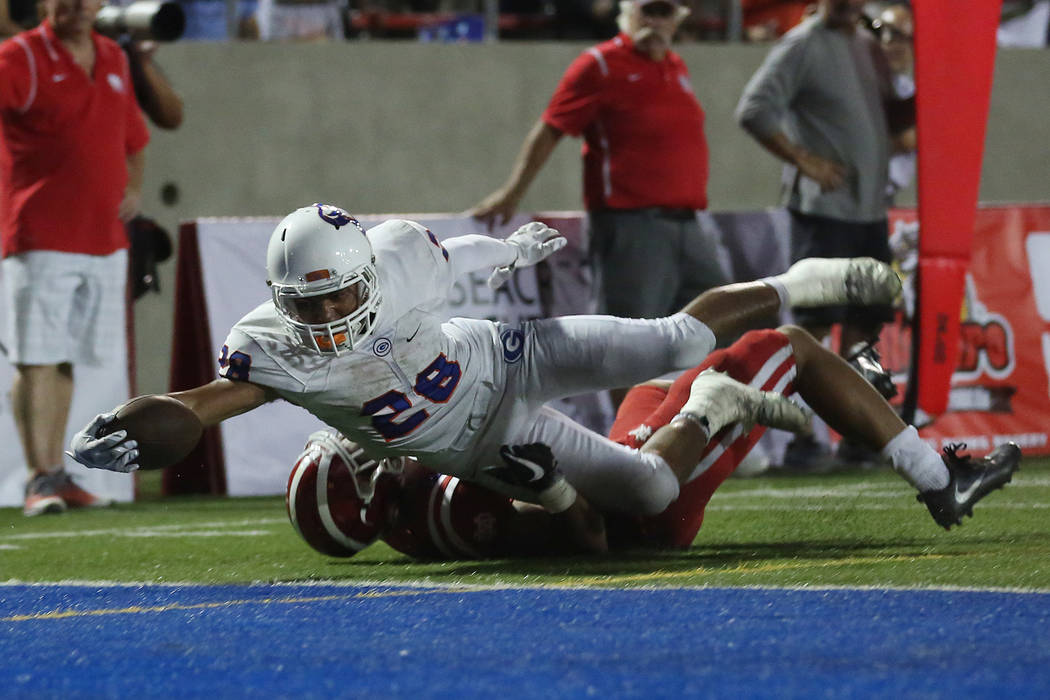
969, 481
866, 360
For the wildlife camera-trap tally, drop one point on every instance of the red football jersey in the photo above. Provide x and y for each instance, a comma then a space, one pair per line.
64, 141
762, 359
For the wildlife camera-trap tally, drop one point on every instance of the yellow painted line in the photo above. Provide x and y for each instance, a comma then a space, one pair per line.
748, 569
137, 609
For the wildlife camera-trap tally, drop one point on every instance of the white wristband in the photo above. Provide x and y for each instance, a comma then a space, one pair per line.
558, 497
699, 421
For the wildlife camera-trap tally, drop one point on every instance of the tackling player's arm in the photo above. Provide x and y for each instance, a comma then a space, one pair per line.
536, 531
566, 521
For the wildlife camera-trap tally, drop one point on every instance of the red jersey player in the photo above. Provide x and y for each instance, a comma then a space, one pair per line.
429, 515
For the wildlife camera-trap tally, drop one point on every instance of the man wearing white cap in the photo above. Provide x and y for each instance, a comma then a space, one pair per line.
645, 164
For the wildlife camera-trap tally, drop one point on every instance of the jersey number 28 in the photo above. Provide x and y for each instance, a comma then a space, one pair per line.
435, 383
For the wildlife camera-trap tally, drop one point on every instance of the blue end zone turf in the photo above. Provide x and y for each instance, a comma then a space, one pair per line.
324, 641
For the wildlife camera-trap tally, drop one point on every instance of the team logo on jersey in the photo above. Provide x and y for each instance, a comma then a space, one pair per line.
381, 347
335, 216
513, 342
115, 82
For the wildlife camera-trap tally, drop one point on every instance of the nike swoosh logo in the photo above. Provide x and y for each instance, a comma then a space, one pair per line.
634, 77
58, 77
409, 338
537, 470
962, 496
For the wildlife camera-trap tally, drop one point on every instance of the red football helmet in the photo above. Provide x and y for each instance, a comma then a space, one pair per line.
337, 497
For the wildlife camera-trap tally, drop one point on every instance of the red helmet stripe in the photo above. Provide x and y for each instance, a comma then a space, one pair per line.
325, 511
454, 540
434, 521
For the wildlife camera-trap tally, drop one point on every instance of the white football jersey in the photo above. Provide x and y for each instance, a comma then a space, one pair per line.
417, 385
453, 392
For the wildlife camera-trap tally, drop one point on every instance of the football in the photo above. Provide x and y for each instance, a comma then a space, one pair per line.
165, 428
324, 508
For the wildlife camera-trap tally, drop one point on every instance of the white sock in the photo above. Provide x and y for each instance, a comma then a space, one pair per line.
916, 461
782, 292
711, 403
812, 282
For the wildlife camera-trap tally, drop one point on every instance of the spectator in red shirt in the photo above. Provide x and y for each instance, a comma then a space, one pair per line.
71, 164
645, 164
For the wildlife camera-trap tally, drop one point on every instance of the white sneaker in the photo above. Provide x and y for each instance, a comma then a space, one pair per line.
717, 400
832, 281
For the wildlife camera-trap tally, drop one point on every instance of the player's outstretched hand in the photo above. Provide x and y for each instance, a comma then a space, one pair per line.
94, 449
532, 242
535, 241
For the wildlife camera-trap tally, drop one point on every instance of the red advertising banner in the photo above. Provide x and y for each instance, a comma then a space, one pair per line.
1000, 386
954, 58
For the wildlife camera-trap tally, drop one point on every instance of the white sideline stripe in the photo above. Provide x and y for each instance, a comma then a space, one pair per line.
467, 587
820, 492
180, 530
9, 546
145, 532
906, 505
861, 489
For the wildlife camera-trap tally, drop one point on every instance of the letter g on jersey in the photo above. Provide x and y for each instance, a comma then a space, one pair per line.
513, 342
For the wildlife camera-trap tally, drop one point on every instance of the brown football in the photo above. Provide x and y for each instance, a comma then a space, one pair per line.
165, 428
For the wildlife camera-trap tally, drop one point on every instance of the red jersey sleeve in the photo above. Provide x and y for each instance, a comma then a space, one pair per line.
577, 98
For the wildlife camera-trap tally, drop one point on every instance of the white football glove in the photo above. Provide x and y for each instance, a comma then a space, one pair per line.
532, 242
110, 452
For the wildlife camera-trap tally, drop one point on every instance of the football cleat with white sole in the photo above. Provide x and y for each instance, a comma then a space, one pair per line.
834, 281
716, 400
970, 480
42, 496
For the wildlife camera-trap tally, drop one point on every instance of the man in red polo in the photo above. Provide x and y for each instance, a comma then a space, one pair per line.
645, 164
71, 164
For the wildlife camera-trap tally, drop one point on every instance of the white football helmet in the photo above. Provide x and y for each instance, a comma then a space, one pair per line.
321, 271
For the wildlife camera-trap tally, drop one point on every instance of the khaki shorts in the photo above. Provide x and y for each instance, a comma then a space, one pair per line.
64, 307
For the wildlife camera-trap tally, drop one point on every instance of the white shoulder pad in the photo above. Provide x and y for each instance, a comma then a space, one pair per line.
412, 266
259, 350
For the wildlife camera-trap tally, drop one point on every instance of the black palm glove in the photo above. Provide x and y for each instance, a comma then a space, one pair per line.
531, 466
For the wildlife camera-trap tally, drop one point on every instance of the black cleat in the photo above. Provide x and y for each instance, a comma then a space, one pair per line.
970, 480
865, 359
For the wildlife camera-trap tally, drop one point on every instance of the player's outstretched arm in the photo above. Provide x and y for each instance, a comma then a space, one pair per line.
220, 399
155, 431
527, 246
532, 243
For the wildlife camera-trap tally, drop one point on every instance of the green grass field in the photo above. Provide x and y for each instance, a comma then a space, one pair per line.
858, 529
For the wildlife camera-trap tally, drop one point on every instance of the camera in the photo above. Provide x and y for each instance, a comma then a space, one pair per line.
146, 19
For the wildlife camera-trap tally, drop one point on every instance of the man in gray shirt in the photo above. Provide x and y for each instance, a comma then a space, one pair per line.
818, 102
